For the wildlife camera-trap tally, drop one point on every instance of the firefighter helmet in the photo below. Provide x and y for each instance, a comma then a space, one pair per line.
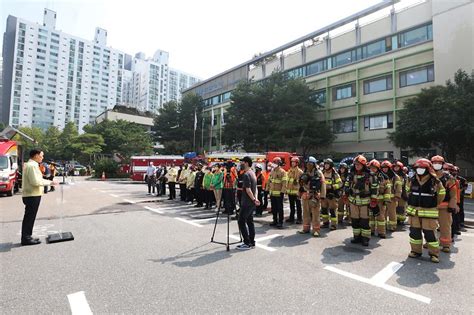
449, 167
343, 165
374, 163
399, 164
437, 158
386, 164
360, 159
405, 170
295, 159
329, 161
313, 160
277, 160
423, 163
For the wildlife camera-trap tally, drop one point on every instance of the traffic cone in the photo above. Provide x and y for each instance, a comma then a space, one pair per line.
103, 175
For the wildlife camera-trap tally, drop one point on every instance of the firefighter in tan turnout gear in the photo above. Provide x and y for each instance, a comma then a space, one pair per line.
329, 205
343, 212
448, 205
312, 191
426, 192
379, 196
277, 187
395, 192
292, 189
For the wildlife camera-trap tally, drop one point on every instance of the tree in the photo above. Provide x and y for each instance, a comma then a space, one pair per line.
174, 126
440, 117
122, 137
52, 145
278, 113
33, 132
66, 138
85, 145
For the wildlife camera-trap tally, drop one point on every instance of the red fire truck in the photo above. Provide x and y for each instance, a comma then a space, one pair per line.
257, 158
9, 172
139, 164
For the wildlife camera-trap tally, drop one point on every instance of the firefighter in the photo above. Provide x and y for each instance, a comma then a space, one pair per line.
190, 184
292, 189
333, 186
397, 168
228, 189
357, 191
395, 191
425, 193
379, 196
448, 205
455, 226
312, 191
260, 189
342, 210
277, 187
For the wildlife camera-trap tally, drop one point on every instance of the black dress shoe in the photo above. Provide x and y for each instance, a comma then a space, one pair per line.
30, 241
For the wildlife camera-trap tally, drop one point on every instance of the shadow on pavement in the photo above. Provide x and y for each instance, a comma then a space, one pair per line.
197, 258
347, 252
6, 247
411, 275
290, 241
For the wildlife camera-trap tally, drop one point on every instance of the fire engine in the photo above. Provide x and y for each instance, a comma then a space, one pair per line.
9, 172
258, 158
139, 164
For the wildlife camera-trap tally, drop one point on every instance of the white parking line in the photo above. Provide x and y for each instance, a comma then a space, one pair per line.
467, 234
189, 222
153, 209
204, 220
268, 237
386, 273
113, 195
270, 249
379, 281
129, 201
78, 304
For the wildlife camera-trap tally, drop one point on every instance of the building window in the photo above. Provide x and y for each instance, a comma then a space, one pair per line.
345, 125
384, 121
416, 35
374, 49
316, 67
319, 97
343, 91
417, 76
378, 84
344, 58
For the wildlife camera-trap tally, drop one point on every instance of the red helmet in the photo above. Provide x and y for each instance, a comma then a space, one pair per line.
423, 163
295, 159
399, 164
277, 160
360, 159
374, 163
449, 167
437, 158
386, 164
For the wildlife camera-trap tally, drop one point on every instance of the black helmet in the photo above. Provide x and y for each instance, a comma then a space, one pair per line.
343, 165
329, 161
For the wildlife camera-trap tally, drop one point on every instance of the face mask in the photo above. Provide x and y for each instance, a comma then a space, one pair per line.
437, 166
420, 171
242, 166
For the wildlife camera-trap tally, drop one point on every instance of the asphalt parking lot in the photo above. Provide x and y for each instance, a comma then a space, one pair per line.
135, 253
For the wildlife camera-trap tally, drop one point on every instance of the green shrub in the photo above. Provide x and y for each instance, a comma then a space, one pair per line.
82, 172
109, 166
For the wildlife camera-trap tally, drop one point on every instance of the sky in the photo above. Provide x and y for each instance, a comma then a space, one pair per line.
203, 37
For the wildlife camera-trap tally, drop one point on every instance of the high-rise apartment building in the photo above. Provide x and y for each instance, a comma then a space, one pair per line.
146, 83
179, 81
51, 77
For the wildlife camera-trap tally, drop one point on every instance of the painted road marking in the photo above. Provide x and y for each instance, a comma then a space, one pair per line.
78, 303
270, 249
153, 209
207, 219
268, 237
113, 195
189, 222
129, 201
379, 281
467, 234
386, 273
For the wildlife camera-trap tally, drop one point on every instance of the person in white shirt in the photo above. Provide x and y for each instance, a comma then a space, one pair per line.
151, 178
